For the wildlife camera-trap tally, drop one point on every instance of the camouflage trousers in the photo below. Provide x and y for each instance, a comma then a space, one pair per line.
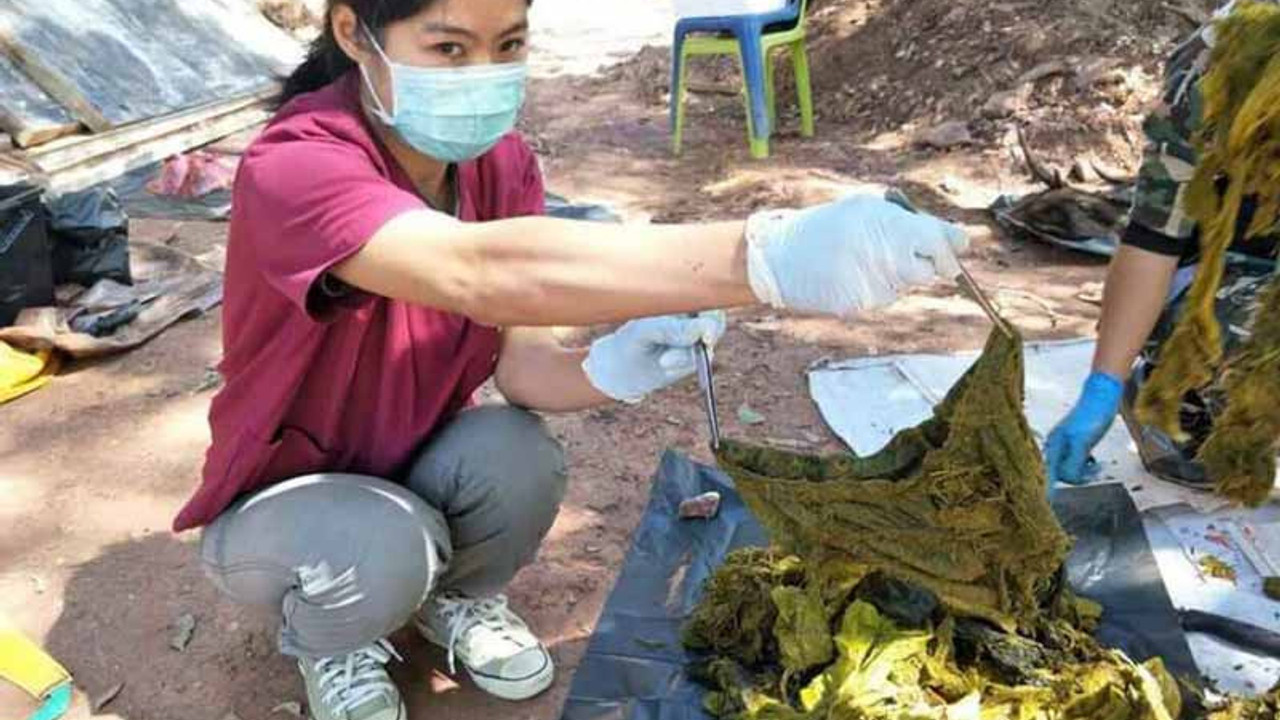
1237, 301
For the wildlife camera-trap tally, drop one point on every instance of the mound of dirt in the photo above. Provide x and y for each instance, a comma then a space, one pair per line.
648, 73
1079, 75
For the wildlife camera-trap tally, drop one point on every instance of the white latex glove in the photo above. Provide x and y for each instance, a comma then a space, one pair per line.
650, 354
850, 255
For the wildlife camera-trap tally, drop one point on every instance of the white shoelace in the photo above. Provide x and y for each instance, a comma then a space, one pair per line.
348, 681
461, 614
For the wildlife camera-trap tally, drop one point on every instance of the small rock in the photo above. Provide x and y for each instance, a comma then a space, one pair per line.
1003, 105
702, 507
811, 437
1032, 42
594, 549
949, 185
289, 708
946, 136
747, 416
674, 421
183, 631
37, 583
100, 701
211, 380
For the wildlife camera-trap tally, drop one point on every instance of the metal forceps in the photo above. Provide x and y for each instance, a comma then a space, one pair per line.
702, 357
966, 282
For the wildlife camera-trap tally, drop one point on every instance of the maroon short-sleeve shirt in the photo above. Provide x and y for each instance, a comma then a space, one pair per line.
319, 378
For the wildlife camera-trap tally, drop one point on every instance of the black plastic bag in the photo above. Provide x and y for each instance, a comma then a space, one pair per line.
26, 263
90, 238
560, 207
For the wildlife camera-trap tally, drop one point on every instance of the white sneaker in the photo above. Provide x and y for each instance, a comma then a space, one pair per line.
500, 653
353, 687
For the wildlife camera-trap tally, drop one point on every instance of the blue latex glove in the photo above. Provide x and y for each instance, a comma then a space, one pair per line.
1067, 450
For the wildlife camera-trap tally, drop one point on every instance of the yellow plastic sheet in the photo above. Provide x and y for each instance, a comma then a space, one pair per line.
22, 372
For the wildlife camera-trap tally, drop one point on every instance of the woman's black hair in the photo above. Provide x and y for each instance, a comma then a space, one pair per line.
326, 61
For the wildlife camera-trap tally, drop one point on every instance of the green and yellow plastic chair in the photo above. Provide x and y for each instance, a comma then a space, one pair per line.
754, 40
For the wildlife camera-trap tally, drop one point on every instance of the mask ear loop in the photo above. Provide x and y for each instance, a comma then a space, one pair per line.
379, 110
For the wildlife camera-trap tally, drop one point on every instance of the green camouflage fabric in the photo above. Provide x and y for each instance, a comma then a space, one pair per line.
1167, 166
1170, 157
1237, 300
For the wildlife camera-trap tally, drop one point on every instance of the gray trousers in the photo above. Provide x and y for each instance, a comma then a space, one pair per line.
346, 559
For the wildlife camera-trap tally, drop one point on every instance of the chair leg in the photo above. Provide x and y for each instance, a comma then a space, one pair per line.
804, 91
752, 50
679, 72
770, 94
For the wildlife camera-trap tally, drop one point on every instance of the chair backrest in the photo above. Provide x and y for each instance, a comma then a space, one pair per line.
785, 9
802, 9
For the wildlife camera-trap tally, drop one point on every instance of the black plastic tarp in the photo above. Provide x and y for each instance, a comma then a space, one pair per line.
634, 665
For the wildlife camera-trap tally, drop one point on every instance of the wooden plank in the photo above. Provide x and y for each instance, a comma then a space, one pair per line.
56, 86
63, 154
25, 137
27, 112
13, 169
12, 177
24, 134
115, 164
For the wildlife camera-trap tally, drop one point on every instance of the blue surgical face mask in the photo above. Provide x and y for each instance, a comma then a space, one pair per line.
451, 114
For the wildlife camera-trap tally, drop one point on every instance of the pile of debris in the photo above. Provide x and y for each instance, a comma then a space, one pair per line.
923, 582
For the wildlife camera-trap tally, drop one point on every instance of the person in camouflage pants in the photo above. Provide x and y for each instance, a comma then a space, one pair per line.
1146, 289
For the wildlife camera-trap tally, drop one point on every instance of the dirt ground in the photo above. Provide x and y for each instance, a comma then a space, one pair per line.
94, 466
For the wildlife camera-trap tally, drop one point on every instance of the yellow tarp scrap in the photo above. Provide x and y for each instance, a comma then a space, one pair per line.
23, 663
22, 372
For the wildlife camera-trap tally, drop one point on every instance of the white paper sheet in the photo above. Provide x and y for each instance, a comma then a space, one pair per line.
866, 400
1180, 537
